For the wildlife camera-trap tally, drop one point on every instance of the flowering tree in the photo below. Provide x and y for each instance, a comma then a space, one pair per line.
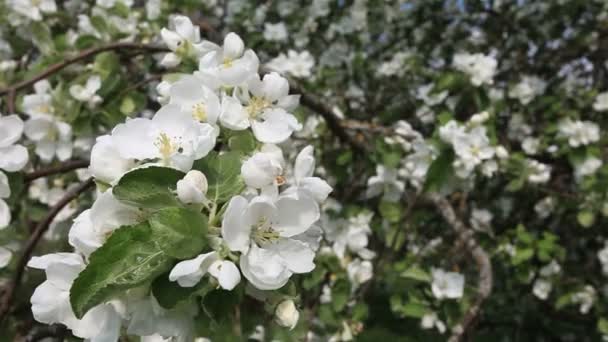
318, 171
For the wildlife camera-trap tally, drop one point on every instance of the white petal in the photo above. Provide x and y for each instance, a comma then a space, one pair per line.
135, 139
107, 214
5, 214
233, 115
82, 235
188, 273
305, 163
226, 272
264, 269
13, 158
170, 60
296, 213
11, 128
317, 187
235, 228
275, 126
5, 190
295, 254
260, 170
184, 27
233, 46
107, 164
100, 324
274, 86
171, 38
38, 128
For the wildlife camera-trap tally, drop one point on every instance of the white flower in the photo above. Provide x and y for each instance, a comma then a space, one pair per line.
601, 102
229, 66
184, 40
93, 226
587, 167
426, 94
481, 219
52, 137
188, 273
147, 318
579, 133
538, 172
33, 9
13, 157
111, 3
51, 299
602, 255
171, 136
264, 168
530, 145
263, 230
359, 271
527, 89
5, 192
430, 321
87, 93
107, 164
542, 288
385, 181
266, 110
585, 298
479, 67
286, 314
304, 168
39, 103
295, 64
544, 207
5, 256
275, 32
550, 269
192, 188
195, 99
352, 234
447, 284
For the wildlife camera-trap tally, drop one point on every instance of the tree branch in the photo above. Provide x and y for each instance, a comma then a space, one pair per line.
80, 57
481, 259
67, 166
41, 228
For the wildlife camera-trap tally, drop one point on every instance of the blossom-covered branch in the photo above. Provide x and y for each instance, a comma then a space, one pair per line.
484, 287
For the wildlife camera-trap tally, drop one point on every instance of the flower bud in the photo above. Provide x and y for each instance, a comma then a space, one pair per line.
192, 188
286, 314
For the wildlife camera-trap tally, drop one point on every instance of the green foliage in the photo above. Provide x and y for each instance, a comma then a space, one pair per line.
149, 187
181, 232
223, 172
131, 257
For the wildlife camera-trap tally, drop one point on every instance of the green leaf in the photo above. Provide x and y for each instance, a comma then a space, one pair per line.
414, 309
169, 294
129, 258
439, 172
391, 211
340, 294
149, 187
223, 174
602, 325
416, 273
522, 255
585, 218
242, 141
180, 232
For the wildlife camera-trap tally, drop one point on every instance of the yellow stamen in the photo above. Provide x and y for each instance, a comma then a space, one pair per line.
199, 112
165, 146
257, 105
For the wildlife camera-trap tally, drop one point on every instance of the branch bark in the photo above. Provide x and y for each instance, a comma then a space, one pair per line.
484, 287
41, 228
80, 57
67, 166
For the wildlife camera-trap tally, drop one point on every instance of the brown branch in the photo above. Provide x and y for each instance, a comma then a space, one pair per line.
481, 259
80, 57
333, 122
67, 166
41, 228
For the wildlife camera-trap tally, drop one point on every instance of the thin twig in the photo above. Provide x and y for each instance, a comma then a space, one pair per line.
482, 260
41, 228
79, 57
53, 170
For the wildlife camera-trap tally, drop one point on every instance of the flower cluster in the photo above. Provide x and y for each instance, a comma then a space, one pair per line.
261, 216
